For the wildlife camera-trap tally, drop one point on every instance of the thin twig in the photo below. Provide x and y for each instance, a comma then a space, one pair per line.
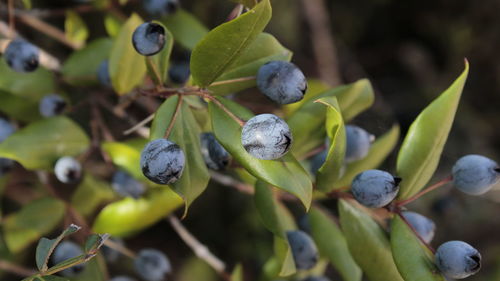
225, 82
106, 133
428, 189
200, 250
221, 106
229, 181
139, 125
12, 23
174, 117
16, 269
120, 248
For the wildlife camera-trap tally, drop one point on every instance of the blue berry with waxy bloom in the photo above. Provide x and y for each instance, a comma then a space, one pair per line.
304, 250
152, 265
475, 174
162, 161
22, 56
179, 73
457, 259
64, 251
282, 82
375, 188
68, 170
6, 129
52, 105
122, 278
266, 137
422, 225
125, 185
316, 278
358, 142
103, 74
215, 155
148, 38
161, 7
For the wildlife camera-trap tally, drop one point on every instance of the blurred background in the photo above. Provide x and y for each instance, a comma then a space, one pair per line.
411, 51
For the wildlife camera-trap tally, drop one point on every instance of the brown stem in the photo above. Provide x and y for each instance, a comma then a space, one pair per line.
314, 152
120, 248
428, 189
139, 125
157, 77
225, 82
221, 106
174, 117
12, 23
415, 231
16, 269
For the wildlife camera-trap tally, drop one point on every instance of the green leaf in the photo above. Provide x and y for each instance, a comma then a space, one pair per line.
186, 134
126, 66
80, 69
91, 194
112, 23
67, 264
19, 108
126, 156
330, 171
34, 220
368, 244
128, 216
263, 49
32, 86
40, 144
414, 260
224, 44
186, 28
278, 220
50, 278
94, 270
332, 244
194, 268
421, 150
237, 274
285, 173
379, 151
314, 88
75, 28
94, 242
46, 246
161, 60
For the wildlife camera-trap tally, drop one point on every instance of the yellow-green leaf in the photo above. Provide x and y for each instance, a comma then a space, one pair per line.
186, 28
75, 28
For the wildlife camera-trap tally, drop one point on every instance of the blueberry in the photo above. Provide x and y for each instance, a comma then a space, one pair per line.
122, 278
152, 265
161, 7
179, 73
52, 105
64, 251
282, 82
304, 250
125, 185
162, 161
215, 156
475, 174
457, 259
22, 56
375, 188
148, 38
6, 129
318, 160
103, 74
110, 254
316, 278
68, 170
422, 225
266, 136
358, 142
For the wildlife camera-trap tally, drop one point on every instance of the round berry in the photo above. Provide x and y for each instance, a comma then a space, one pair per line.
358, 142
282, 82
266, 136
152, 265
475, 174
52, 105
149, 38
179, 73
422, 225
68, 170
304, 250
122, 278
64, 251
125, 185
457, 259
103, 74
161, 7
6, 129
162, 161
22, 56
214, 154
375, 188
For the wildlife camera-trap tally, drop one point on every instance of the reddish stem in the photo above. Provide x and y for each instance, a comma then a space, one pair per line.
415, 231
428, 189
174, 117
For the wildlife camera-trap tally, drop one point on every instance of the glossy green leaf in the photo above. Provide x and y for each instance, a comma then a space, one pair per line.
91, 194
159, 62
263, 49
34, 220
19, 108
46, 246
126, 66
224, 44
414, 260
237, 274
40, 144
82, 66
75, 28
112, 23
186, 134
285, 173
331, 169
379, 151
32, 86
332, 244
307, 122
128, 216
315, 87
368, 244
421, 150
186, 28
126, 156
